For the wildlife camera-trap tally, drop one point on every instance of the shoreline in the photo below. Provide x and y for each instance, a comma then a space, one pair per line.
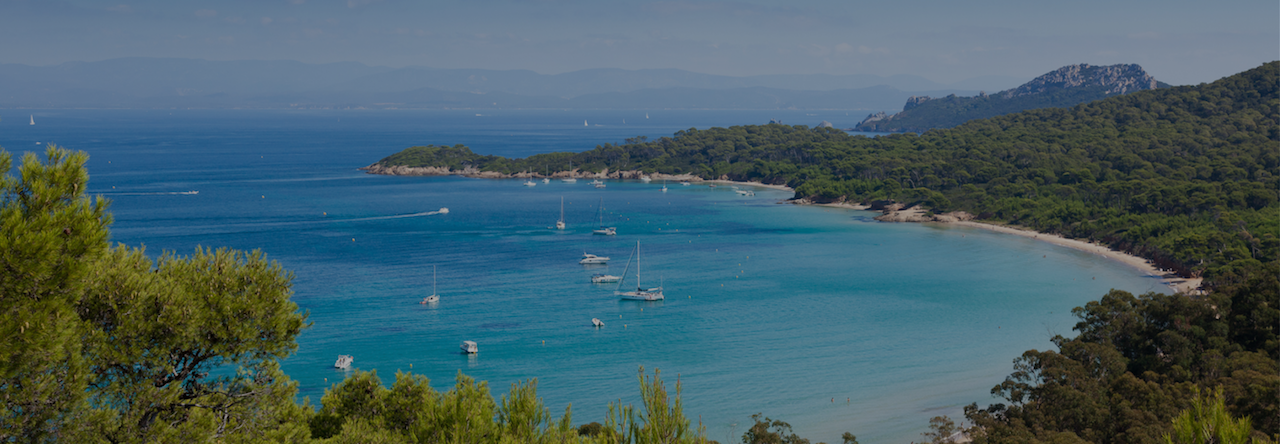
893, 213
1175, 283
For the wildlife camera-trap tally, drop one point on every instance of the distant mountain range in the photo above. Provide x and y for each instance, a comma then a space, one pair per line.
1067, 86
188, 83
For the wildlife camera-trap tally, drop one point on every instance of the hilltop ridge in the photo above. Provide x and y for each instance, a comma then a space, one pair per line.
1066, 86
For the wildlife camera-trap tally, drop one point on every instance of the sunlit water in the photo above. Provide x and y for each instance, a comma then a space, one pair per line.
820, 317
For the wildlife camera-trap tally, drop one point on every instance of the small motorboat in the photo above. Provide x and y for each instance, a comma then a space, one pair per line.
588, 259
685, 183
344, 362
601, 278
470, 347
645, 179
596, 322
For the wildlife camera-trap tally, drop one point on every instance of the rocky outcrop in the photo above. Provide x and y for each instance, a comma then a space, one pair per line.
1065, 86
1114, 79
918, 214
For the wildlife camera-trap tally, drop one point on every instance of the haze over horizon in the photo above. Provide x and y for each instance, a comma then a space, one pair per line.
946, 42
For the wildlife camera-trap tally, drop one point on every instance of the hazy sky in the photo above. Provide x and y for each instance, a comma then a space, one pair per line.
1179, 42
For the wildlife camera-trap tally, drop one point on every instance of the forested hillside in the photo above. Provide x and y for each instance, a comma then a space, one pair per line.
1185, 176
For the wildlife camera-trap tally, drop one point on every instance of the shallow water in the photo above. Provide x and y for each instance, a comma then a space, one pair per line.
820, 317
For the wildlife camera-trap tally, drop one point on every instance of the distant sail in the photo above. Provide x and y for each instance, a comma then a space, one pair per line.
33, 119
584, 123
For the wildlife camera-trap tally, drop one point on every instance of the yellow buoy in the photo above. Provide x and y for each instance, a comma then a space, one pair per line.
353, 239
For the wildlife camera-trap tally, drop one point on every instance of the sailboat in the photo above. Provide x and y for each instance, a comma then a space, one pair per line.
570, 179
546, 174
646, 115
584, 123
529, 182
434, 297
664, 185
641, 293
560, 223
33, 119
607, 231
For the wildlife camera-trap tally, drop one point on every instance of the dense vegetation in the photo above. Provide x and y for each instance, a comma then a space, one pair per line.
950, 111
1186, 176
102, 343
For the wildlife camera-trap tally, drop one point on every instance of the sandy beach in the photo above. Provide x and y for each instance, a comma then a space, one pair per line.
917, 214
1177, 283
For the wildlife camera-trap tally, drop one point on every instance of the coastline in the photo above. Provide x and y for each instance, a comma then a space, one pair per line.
1177, 283
896, 213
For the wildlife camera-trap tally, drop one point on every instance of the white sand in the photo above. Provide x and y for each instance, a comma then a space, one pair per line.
1178, 284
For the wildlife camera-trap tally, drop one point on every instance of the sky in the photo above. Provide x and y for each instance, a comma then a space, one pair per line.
1179, 42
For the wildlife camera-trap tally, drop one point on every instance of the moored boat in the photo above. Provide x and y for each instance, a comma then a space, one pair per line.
590, 259
344, 362
641, 293
469, 347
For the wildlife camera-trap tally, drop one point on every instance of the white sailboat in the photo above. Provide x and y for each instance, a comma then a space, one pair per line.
664, 185
560, 223
546, 174
584, 123
434, 296
606, 231
641, 293
570, 179
33, 119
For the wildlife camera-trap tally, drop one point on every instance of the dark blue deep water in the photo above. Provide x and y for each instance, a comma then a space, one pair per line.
819, 317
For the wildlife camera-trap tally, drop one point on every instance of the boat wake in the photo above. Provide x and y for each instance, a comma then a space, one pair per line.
398, 216
163, 193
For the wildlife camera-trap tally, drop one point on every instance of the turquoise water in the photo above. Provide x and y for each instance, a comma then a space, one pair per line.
820, 317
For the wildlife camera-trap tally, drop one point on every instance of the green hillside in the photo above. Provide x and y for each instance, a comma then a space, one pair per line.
1186, 176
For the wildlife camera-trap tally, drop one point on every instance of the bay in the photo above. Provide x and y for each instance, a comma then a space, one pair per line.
816, 316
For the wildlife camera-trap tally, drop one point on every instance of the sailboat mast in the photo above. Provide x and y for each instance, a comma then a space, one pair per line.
638, 286
561, 209
433, 279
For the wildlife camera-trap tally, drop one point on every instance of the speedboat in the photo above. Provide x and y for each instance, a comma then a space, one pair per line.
469, 347
344, 362
645, 179
597, 182
599, 185
685, 183
569, 180
601, 278
588, 259
596, 322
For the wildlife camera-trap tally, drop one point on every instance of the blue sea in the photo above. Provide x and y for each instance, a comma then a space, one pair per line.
820, 317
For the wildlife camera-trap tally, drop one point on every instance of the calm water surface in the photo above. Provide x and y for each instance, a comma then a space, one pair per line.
820, 317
